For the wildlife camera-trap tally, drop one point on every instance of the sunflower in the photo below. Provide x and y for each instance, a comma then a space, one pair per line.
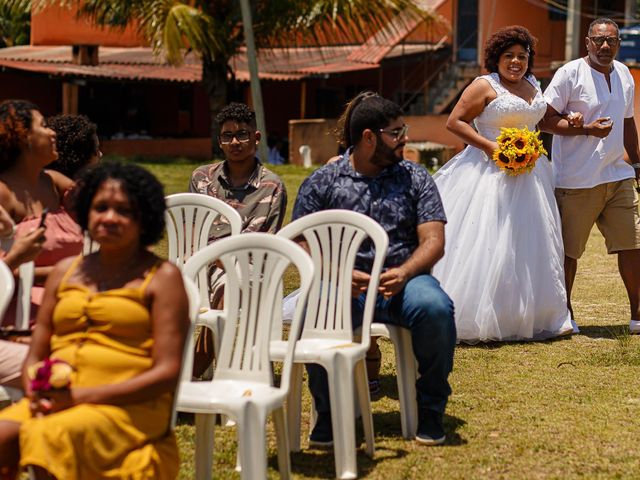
518, 150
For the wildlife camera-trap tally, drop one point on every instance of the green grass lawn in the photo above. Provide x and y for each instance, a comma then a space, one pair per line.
555, 409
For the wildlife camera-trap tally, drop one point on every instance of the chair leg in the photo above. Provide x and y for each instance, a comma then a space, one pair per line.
205, 424
252, 441
407, 375
282, 439
341, 394
364, 401
294, 406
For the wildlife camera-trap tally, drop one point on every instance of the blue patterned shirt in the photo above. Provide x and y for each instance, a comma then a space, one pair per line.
400, 198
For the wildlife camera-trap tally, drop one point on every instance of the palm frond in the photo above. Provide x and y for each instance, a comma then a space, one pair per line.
322, 21
15, 7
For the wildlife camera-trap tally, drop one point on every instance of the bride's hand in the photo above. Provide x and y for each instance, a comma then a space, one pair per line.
492, 147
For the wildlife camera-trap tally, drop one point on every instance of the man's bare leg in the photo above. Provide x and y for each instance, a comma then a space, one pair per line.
570, 269
629, 266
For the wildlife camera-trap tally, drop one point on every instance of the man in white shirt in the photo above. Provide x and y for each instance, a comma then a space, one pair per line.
594, 183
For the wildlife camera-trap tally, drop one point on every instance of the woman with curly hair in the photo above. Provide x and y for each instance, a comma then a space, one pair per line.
27, 190
503, 266
119, 318
77, 143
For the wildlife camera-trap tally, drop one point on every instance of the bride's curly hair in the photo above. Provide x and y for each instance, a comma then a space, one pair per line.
504, 38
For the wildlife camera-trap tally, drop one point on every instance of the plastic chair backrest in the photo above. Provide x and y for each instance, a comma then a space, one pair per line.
26, 272
254, 264
187, 355
89, 246
334, 238
189, 218
6, 287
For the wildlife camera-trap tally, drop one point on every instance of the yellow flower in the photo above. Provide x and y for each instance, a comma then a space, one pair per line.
518, 150
60, 375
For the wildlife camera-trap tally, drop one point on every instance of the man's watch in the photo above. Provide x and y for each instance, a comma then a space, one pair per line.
635, 165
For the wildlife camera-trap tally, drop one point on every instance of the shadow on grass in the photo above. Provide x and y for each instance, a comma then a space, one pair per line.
604, 331
387, 425
494, 345
320, 463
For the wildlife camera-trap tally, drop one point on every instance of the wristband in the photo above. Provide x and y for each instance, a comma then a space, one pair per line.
635, 165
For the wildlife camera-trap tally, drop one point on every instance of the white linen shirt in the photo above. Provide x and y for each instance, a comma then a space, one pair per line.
586, 161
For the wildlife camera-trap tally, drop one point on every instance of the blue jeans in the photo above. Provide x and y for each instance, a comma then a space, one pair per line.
425, 309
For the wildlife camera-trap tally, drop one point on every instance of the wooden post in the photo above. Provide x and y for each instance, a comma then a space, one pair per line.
303, 99
629, 12
69, 98
256, 92
573, 34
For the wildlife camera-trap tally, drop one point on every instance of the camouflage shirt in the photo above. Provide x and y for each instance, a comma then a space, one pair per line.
261, 202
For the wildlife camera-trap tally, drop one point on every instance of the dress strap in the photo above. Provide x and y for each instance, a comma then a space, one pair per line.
494, 81
149, 276
72, 268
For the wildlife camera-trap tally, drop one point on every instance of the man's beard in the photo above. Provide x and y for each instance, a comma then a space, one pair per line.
385, 156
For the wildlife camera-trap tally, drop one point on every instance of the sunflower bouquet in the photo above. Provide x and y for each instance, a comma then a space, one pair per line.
518, 150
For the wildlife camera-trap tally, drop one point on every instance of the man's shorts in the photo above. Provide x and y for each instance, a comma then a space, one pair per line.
612, 206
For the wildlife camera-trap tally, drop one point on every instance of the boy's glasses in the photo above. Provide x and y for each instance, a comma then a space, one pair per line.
242, 136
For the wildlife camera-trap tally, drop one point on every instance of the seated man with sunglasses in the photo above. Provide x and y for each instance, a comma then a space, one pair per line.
594, 183
242, 181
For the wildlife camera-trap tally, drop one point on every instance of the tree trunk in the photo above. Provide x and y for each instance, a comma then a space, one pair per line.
216, 84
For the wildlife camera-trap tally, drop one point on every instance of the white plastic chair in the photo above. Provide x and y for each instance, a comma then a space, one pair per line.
194, 308
7, 285
242, 386
189, 218
334, 238
89, 246
26, 272
406, 374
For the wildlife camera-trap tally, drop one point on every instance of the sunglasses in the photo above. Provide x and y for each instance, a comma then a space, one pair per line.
599, 41
397, 133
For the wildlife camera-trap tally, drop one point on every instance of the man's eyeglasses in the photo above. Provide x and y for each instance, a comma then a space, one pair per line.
242, 136
599, 41
397, 133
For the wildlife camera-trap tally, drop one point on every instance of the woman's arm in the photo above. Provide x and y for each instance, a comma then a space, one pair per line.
61, 183
473, 101
25, 248
170, 323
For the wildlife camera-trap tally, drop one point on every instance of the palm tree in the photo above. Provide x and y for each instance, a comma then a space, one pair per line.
213, 28
14, 26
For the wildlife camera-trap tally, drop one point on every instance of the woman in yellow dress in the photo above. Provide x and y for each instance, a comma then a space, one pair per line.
119, 317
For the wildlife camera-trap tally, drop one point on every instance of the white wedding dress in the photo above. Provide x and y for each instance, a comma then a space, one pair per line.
503, 265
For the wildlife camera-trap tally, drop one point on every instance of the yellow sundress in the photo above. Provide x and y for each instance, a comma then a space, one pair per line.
107, 338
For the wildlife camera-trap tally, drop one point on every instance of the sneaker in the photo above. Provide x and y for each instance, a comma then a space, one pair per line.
634, 327
430, 429
322, 433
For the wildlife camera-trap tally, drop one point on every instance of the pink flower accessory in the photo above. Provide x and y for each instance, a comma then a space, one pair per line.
49, 374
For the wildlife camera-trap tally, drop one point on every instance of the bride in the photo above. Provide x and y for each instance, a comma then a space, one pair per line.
503, 265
